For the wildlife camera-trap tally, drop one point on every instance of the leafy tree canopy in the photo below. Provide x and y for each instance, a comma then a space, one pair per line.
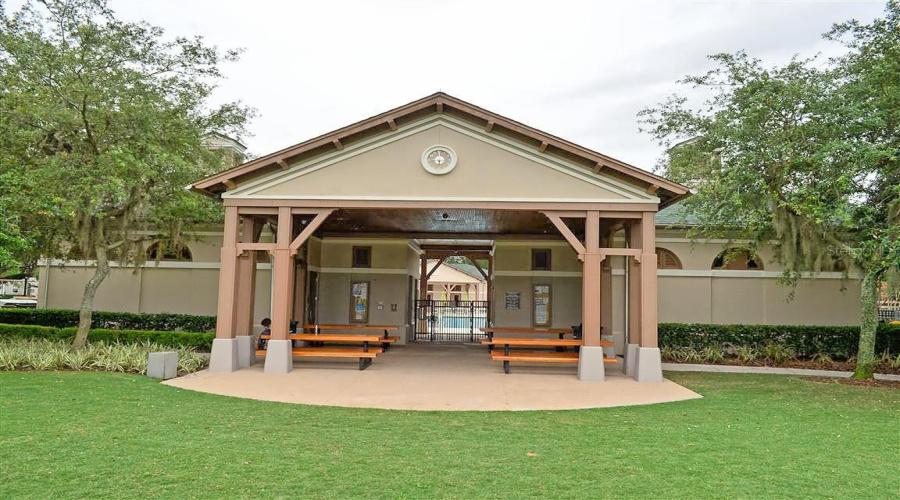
102, 124
804, 155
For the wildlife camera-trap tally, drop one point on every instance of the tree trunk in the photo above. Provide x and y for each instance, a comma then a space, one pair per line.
868, 326
87, 300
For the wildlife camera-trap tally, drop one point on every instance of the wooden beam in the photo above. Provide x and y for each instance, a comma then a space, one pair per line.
338, 144
544, 146
257, 210
480, 270
229, 184
567, 234
309, 230
307, 211
652, 189
569, 214
440, 107
391, 123
243, 247
489, 127
598, 167
435, 268
283, 164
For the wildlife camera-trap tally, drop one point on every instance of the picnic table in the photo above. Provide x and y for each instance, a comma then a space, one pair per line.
365, 354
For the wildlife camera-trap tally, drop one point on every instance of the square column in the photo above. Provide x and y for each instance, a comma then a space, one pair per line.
633, 318
224, 355
278, 357
649, 365
606, 300
246, 289
590, 360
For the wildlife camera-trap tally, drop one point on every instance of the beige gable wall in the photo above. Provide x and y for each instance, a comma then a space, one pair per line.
483, 171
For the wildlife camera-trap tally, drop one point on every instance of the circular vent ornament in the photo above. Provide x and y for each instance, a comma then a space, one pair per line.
439, 160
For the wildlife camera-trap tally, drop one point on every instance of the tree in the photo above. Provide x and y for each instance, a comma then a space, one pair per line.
805, 156
101, 127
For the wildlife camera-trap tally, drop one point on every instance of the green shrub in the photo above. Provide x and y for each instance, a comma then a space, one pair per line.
28, 332
806, 341
64, 318
713, 354
778, 353
44, 354
747, 354
201, 341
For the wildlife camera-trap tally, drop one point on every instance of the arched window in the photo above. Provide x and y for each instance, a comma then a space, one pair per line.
169, 252
666, 259
736, 259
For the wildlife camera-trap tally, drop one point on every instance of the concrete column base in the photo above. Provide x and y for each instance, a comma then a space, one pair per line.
590, 364
224, 355
631, 359
649, 365
246, 354
611, 350
278, 357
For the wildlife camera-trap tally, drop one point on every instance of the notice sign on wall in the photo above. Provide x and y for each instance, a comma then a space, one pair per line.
514, 300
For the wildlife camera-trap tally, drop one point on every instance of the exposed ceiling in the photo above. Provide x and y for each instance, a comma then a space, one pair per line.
436, 224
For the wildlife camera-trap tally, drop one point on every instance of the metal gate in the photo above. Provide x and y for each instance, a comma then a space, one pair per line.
451, 320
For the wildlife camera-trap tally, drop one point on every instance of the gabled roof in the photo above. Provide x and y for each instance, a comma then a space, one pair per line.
466, 268
666, 190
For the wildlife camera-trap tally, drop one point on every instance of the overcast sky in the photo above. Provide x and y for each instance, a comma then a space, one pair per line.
578, 70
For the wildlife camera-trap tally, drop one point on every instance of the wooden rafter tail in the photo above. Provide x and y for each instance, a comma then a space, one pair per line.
283, 164
338, 144
489, 127
229, 184
392, 124
544, 146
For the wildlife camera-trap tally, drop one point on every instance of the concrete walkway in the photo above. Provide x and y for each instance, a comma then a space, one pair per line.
435, 377
684, 367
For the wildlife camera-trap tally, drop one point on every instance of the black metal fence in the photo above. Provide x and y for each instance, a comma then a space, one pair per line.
450, 320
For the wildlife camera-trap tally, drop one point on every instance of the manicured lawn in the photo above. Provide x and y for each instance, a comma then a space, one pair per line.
79, 435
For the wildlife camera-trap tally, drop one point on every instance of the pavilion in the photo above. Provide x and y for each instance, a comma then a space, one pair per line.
448, 178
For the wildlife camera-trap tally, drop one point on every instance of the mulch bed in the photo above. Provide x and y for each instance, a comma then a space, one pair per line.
889, 384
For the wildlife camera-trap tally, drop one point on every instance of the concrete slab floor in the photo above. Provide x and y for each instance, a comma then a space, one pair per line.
435, 377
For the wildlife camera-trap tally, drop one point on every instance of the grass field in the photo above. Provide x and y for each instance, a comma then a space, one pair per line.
81, 435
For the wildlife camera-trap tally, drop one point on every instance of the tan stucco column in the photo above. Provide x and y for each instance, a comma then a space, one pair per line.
606, 299
590, 361
223, 357
279, 357
649, 365
606, 306
633, 312
246, 293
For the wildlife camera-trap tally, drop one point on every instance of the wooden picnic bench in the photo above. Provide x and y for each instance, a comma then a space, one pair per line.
562, 332
537, 356
386, 340
364, 354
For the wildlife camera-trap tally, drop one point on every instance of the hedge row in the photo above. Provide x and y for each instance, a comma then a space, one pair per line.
836, 341
64, 318
200, 341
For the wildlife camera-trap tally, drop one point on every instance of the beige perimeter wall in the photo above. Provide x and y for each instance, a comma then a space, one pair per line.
694, 294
